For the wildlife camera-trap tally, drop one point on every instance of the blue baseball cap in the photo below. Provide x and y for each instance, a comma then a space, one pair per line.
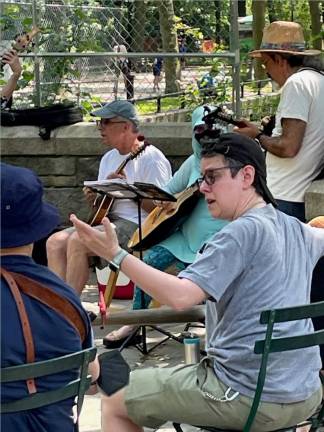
25, 217
118, 108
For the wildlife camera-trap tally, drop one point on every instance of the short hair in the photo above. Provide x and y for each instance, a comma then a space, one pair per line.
134, 129
208, 151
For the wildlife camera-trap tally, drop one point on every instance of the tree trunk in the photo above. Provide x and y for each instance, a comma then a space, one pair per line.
315, 13
138, 25
137, 30
271, 11
258, 11
170, 44
218, 26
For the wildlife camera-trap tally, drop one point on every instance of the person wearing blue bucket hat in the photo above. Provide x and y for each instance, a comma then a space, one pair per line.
26, 218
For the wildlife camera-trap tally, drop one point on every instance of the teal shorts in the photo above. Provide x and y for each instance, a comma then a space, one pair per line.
192, 394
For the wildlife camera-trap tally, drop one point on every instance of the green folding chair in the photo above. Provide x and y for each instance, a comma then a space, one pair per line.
75, 388
271, 345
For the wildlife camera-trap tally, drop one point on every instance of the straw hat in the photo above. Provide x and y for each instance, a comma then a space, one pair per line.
283, 37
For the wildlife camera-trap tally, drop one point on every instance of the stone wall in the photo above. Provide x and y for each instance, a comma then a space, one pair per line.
314, 200
73, 153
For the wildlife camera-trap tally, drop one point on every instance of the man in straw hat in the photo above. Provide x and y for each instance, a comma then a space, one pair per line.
26, 218
295, 151
263, 259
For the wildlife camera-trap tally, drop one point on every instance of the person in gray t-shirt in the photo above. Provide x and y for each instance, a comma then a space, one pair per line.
263, 259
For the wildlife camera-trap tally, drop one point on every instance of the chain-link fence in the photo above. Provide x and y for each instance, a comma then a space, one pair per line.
178, 51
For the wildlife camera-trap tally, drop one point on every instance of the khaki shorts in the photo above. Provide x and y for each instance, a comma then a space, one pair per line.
192, 394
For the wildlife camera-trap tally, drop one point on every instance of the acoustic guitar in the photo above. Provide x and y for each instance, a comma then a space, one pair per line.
103, 204
160, 223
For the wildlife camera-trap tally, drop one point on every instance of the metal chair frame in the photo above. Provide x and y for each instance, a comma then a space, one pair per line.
271, 345
75, 388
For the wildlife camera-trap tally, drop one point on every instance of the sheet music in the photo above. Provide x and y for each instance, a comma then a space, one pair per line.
119, 188
93, 183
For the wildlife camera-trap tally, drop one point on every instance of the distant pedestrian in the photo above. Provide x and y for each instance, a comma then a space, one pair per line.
122, 65
157, 70
182, 49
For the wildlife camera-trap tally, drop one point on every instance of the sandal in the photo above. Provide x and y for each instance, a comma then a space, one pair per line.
117, 343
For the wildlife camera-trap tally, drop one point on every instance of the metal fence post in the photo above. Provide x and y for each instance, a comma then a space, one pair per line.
36, 59
235, 48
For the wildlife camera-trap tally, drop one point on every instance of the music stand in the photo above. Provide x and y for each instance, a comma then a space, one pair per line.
137, 191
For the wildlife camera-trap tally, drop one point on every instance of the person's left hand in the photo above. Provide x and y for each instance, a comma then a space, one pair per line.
105, 244
11, 58
249, 129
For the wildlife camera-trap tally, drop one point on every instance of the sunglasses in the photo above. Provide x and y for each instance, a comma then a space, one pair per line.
104, 122
211, 175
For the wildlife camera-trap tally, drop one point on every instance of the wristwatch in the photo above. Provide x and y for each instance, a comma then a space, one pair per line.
117, 259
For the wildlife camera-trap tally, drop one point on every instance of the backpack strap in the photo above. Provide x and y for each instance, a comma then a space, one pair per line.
53, 300
28, 337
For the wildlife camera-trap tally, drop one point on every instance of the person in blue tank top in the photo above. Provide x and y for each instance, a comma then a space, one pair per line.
181, 247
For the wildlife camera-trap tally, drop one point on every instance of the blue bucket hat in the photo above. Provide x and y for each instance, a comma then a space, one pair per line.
118, 108
25, 217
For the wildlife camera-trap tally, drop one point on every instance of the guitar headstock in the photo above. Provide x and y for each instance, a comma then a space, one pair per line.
140, 149
23, 40
220, 115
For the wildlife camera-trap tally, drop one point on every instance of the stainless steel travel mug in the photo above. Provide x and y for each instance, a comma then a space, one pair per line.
191, 344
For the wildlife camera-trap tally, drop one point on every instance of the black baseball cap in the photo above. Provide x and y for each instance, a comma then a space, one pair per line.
247, 151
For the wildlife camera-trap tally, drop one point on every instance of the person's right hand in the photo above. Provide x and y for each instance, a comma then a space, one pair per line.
11, 58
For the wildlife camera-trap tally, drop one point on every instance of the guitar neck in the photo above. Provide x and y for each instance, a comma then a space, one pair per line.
131, 157
122, 165
231, 120
107, 201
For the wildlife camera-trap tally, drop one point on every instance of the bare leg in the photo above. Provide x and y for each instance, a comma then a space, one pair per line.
114, 415
56, 247
77, 270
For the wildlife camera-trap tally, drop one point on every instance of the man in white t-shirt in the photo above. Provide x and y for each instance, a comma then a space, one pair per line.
295, 151
118, 126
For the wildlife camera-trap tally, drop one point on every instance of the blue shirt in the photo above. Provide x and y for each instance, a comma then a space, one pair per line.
53, 337
199, 226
